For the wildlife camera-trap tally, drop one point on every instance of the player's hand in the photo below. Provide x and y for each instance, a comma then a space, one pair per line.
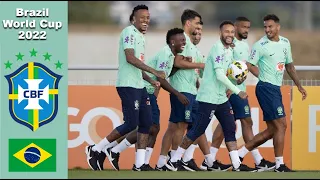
160, 74
202, 65
240, 81
243, 95
229, 92
303, 92
155, 84
189, 58
183, 99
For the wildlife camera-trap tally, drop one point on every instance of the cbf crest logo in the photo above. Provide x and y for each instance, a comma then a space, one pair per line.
33, 94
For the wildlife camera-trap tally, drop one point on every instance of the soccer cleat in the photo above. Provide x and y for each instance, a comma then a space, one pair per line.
113, 158
265, 165
245, 168
218, 166
142, 168
169, 155
175, 166
283, 168
92, 158
101, 158
163, 168
190, 165
147, 166
204, 166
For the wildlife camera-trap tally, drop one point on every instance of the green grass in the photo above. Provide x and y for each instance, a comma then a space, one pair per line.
111, 174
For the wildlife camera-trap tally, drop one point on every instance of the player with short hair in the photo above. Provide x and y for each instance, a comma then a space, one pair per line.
162, 61
184, 81
131, 89
241, 107
213, 100
272, 55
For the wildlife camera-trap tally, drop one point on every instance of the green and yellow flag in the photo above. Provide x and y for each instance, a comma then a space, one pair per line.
32, 155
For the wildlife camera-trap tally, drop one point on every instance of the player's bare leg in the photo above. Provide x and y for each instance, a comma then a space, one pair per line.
178, 135
154, 131
187, 160
113, 154
165, 146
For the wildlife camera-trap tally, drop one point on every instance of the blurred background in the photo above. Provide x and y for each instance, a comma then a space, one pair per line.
95, 26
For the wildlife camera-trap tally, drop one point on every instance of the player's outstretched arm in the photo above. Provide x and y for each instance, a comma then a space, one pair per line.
221, 76
166, 86
138, 64
149, 79
291, 70
253, 69
180, 62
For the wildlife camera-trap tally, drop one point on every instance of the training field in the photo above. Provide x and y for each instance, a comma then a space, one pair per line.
111, 174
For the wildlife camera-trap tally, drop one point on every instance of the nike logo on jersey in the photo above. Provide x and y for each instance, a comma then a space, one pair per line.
272, 54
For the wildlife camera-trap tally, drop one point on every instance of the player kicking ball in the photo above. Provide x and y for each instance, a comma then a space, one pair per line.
213, 100
241, 107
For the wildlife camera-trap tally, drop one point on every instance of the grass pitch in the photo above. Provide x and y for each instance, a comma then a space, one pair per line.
128, 174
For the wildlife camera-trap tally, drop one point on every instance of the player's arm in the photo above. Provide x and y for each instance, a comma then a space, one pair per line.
291, 70
136, 62
254, 59
147, 78
220, 74
180, 62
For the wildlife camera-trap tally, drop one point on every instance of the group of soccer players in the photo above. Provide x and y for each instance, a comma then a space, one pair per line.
199, 89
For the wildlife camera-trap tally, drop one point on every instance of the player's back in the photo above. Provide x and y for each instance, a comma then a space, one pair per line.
271, 57
128, 75
211, 89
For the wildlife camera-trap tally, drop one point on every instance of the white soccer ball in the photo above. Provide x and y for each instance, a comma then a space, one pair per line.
237, 70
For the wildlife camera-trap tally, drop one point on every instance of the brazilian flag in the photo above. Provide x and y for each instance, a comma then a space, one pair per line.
32, 155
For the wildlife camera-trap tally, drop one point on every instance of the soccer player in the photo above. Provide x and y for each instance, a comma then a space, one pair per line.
272, 55
188, 162
184, 81
241, 107
162, 61
213, 100
130, 86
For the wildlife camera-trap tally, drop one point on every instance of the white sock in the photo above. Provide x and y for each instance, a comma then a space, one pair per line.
188, 155
209, 160
214, 152
234, 156
172, 152
98, 147
243, 151
279, 161
111, 145
148, 155
256, 156
141, 154
178, 154
123, 145
162, 161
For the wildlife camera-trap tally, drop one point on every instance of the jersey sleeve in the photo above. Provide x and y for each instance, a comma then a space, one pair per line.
162, 63
255, 54
288, 55
128, 39
216, 55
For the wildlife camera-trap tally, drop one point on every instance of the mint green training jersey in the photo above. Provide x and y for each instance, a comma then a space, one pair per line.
271, 57
184, 80
211, 89
128, 75
162, 61
241, 52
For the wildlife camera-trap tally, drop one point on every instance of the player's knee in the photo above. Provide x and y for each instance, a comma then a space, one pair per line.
229, 132
154, 130
246, 123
